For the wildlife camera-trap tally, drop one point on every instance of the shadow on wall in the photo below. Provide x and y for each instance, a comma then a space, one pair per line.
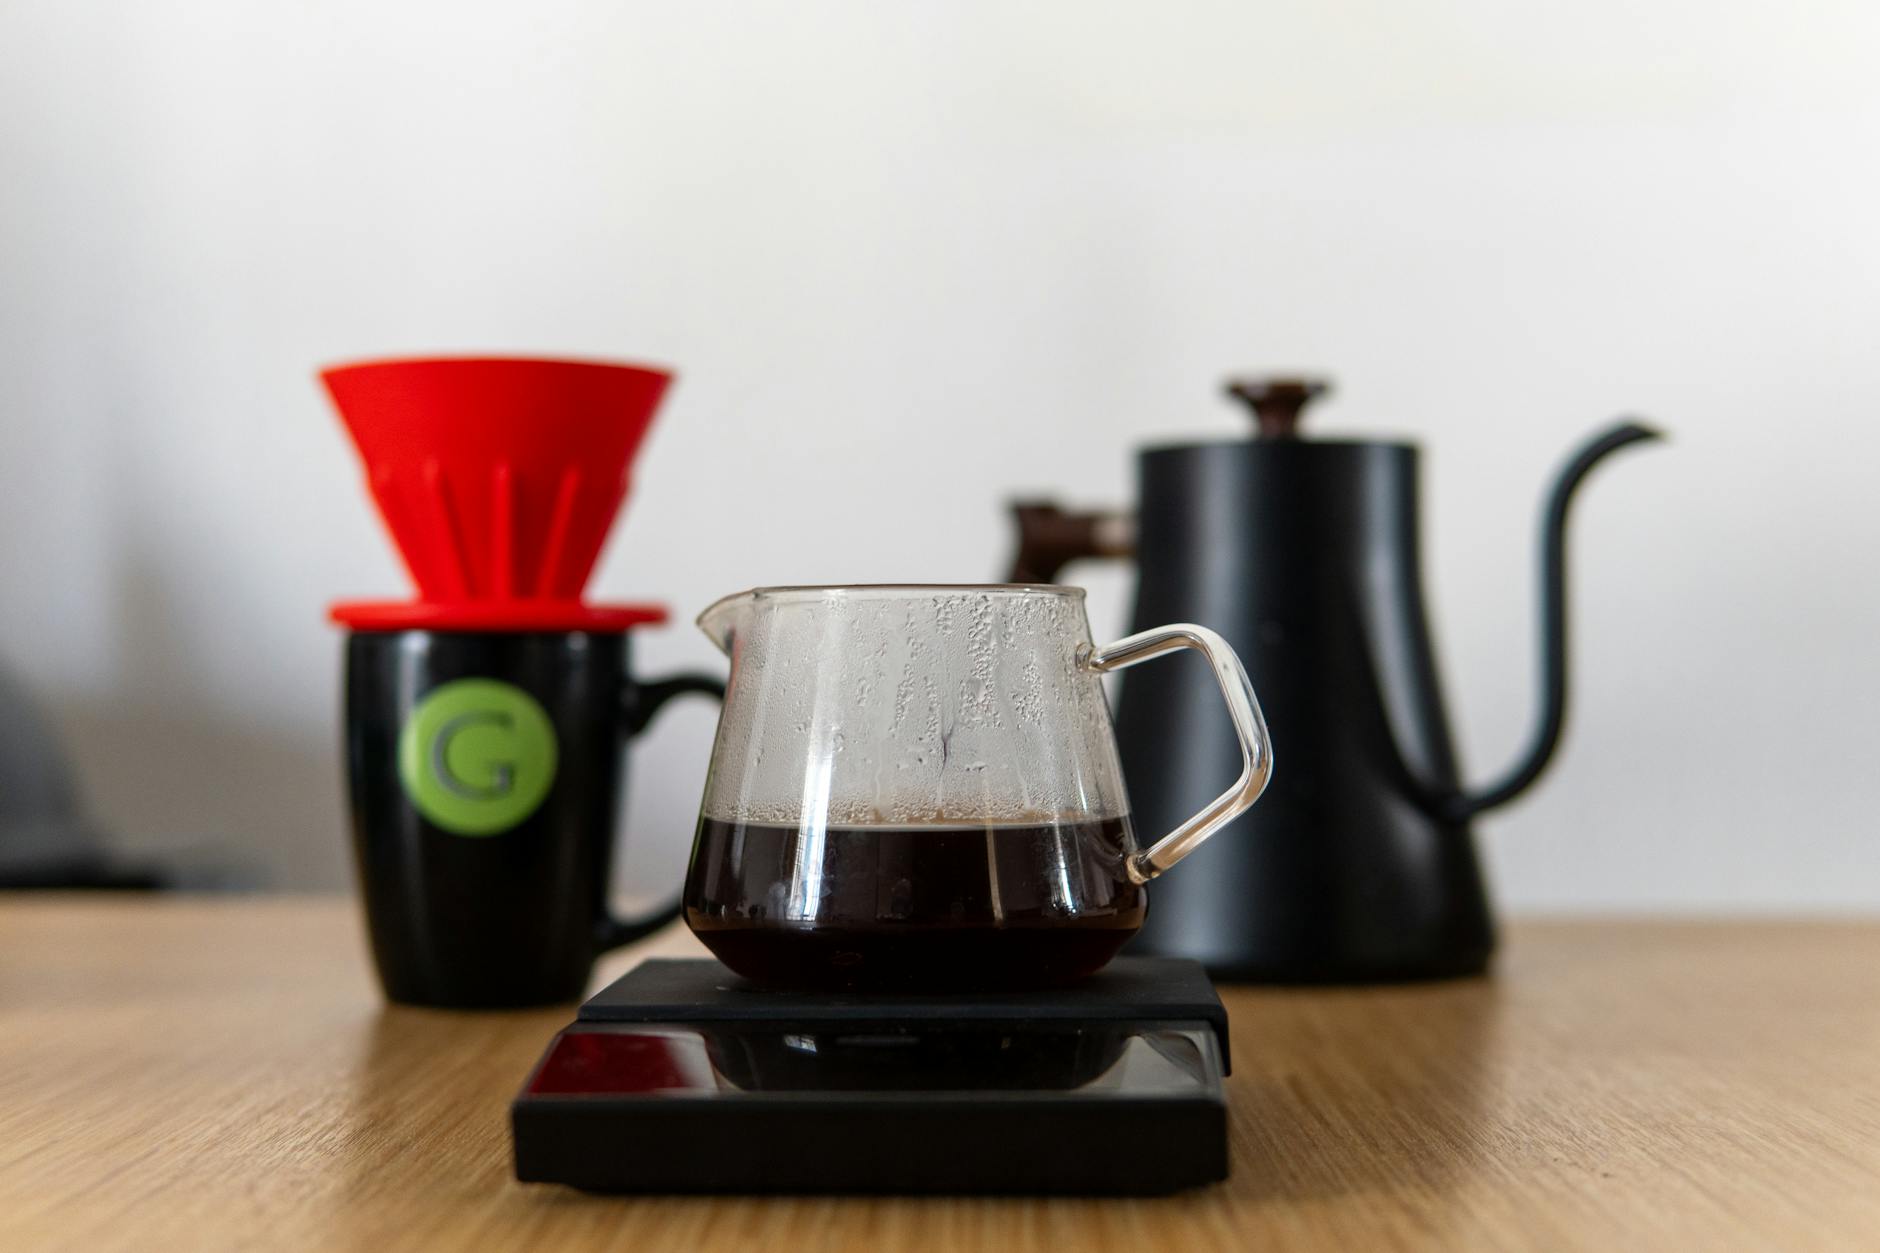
221, 803
219, 796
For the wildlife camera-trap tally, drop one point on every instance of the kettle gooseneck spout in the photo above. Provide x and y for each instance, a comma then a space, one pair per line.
1553, 626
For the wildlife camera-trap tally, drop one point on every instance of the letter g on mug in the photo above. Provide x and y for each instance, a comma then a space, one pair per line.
477, 756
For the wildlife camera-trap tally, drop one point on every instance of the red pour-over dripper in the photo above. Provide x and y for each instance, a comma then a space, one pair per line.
498, 479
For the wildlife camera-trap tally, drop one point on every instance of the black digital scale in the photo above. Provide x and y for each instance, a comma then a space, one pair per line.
681, 1077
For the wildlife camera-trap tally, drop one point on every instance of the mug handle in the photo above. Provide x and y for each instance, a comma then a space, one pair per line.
1256, 747
638, 703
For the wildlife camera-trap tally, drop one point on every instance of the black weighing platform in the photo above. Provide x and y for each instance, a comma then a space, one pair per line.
680, 1077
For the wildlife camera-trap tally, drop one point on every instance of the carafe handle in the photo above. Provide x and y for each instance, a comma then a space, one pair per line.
1243, 707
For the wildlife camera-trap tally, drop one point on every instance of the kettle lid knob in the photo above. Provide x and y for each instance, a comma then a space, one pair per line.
1277, 400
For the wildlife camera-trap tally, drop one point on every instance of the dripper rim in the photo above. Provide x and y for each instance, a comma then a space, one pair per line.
493, 358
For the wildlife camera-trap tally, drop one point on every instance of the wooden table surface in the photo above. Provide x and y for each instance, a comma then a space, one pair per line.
189, 1074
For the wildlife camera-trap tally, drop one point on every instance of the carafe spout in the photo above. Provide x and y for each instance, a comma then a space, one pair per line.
722, 620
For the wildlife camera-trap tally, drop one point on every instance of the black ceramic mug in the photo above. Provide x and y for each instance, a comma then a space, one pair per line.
485, 772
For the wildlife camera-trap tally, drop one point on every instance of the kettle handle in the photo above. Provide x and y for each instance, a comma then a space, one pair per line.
1243, 707
1050, 537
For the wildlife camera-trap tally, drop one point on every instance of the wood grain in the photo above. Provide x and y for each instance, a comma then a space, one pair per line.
221, 1074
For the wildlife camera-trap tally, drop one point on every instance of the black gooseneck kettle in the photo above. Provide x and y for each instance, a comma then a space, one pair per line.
1359, 863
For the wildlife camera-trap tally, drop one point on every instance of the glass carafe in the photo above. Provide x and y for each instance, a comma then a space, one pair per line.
917, 787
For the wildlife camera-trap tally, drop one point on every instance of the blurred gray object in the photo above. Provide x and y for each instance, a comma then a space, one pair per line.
45, 840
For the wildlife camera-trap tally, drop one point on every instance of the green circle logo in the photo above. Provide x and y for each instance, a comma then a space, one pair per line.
477, 756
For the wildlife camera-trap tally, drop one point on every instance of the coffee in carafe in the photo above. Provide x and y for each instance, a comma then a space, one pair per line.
925, 904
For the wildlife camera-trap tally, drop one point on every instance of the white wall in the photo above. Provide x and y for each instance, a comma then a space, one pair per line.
913, 257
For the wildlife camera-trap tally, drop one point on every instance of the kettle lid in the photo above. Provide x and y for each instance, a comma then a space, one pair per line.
1277, 400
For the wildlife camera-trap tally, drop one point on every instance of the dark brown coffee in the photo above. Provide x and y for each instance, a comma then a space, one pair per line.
905, 907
